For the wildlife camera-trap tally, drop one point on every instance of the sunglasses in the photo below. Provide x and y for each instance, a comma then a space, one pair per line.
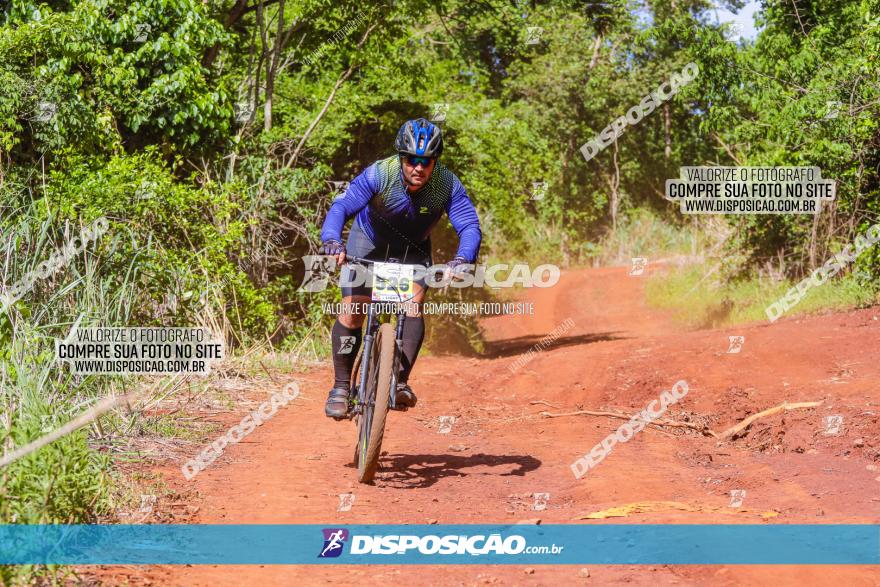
413, 160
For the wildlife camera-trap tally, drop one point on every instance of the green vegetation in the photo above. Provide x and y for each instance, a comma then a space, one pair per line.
167, 426
208, 133
698, 300
643, 233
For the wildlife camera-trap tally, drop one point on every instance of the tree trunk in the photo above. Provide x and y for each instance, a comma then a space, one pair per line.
267, 105
235, 13
272, 62
814, 234
614, 184
597, 43
667, 126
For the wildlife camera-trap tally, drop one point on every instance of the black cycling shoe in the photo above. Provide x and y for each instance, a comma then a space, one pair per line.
337, 404
405, 397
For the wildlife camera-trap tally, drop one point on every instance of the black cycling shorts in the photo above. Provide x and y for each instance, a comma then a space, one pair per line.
360, 245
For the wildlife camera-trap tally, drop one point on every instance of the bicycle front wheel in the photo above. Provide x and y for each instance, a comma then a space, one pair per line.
378, 392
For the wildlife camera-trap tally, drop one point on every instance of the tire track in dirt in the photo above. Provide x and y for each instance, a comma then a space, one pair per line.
500, 451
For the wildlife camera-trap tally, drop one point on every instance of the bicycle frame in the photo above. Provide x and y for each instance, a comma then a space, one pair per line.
370, 333
372, 327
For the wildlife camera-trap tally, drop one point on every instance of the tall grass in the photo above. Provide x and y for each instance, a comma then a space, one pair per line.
68, 481
127, 277
698, 300
641, 233
63, 481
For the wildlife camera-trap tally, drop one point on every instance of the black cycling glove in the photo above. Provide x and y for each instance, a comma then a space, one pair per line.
456, 263
332, 247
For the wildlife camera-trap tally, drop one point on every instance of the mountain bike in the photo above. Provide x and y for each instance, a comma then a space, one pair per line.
374, 388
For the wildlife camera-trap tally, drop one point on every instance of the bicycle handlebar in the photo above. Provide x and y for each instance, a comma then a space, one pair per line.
353, 259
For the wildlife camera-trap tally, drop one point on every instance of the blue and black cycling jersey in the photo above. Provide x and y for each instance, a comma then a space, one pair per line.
388, 213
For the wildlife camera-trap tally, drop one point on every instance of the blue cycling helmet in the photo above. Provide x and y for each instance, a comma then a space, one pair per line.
419, 137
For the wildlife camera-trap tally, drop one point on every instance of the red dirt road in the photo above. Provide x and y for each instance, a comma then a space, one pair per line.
618, 356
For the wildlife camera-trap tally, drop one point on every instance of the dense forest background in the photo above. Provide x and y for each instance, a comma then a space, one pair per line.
212, 135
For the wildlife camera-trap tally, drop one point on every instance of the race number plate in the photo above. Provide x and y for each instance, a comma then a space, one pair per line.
392, 282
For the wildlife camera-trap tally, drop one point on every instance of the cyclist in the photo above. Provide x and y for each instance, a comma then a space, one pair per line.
397, 202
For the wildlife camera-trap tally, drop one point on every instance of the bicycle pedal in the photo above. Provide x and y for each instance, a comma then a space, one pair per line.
348, 416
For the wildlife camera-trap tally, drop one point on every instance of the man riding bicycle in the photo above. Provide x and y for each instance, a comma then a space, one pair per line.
397, 202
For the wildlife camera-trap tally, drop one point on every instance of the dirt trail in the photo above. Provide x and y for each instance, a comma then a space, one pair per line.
617, 355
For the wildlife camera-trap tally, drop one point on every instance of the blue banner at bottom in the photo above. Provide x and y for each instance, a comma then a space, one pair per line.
679, 544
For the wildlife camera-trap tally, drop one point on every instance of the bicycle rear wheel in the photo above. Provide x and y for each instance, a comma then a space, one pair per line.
371, 425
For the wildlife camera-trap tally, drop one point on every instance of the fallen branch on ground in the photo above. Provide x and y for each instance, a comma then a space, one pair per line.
734, 430
657, 423
726, 435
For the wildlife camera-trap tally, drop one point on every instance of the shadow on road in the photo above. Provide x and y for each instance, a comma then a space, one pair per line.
425, 470
514, 346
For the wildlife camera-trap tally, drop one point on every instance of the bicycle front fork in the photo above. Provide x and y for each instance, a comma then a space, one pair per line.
369, 337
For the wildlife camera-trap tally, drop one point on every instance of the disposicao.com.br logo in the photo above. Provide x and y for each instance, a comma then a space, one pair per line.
453, 544
334, 541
